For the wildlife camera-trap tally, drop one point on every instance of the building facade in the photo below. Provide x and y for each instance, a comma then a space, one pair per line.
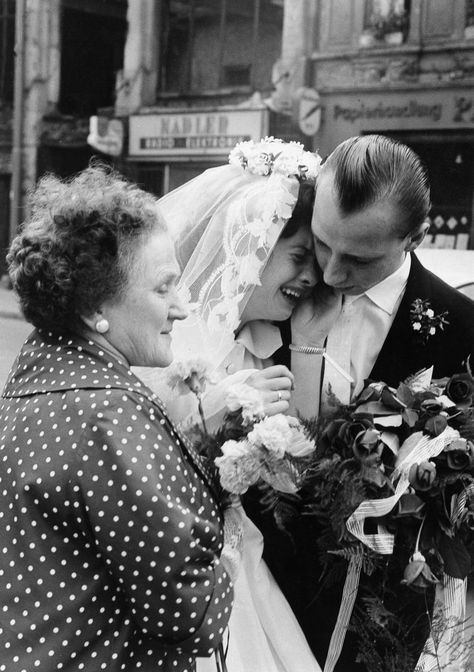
162, 89
405, 69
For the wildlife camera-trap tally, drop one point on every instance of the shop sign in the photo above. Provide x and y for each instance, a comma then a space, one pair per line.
427, 109
309, 112
106, 135
194, 133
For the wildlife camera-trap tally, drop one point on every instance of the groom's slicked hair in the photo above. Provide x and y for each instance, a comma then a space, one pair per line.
369, 169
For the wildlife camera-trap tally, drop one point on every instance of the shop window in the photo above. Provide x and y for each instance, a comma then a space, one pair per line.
236, 75
7, 41
210, 44
150, 178
469, 25
93, 39
385, 22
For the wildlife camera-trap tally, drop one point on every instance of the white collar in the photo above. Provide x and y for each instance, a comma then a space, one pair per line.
386, 293
261, 338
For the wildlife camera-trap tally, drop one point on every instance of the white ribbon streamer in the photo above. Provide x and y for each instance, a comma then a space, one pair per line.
349, 595
422, 449
444, 649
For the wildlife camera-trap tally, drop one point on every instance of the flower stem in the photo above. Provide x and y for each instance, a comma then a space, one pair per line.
201, 413
417, 543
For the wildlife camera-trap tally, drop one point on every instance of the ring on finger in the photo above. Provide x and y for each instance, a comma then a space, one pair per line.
279, 395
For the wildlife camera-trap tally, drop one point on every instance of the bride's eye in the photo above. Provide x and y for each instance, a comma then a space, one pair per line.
163, 289
299, 257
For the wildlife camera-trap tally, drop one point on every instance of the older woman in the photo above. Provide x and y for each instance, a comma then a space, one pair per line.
110, 531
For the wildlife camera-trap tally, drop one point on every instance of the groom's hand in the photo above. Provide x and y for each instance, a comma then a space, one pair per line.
274, 384
314, 317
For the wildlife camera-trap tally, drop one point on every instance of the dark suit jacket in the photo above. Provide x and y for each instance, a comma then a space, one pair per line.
293, 563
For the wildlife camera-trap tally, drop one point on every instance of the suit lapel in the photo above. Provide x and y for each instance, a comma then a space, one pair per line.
400, 352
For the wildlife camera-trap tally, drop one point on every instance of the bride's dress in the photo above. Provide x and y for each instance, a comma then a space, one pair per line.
264, 635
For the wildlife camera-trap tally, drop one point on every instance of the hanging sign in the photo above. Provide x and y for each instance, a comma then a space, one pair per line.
309, 111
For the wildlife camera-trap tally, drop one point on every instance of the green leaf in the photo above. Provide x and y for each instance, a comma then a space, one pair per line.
410, 417
456, 558
405, 394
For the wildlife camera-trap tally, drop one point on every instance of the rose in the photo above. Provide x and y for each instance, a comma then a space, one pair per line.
341, 433
368, 447
431, 406
460, 454
418, 574
435, 425
422, 476
460, 389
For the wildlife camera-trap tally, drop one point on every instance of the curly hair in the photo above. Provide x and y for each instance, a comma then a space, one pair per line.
77, 247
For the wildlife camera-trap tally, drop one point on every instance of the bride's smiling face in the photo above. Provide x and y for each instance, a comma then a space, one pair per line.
288, 277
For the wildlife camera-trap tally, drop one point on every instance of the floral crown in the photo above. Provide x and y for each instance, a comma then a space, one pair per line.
273, 156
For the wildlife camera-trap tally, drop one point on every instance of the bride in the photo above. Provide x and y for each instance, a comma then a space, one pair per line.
243, 239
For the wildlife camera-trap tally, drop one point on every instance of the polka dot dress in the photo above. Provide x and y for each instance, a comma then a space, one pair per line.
109, 532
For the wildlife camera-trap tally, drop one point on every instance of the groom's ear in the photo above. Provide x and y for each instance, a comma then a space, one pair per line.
415, 238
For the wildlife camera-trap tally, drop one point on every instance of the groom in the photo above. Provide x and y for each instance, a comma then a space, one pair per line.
372, 199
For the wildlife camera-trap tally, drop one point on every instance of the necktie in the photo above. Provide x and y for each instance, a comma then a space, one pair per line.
337, 379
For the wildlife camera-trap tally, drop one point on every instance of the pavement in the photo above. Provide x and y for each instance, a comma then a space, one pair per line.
9, 307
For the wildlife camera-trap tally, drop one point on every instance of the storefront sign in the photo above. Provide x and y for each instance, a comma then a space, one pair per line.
411, 109
420, 110
106, 135
194, 133
309, 112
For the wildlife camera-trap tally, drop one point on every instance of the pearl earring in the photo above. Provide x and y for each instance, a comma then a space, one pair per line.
102, 326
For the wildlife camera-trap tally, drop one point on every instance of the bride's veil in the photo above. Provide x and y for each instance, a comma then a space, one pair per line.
225, 224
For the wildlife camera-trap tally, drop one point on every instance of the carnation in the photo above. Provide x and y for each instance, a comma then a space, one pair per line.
190, 375
273, 433
246, 398
239, 466
281, 434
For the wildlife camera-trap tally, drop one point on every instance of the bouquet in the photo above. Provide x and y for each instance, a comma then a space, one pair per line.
386, 485
248, 448
390, 489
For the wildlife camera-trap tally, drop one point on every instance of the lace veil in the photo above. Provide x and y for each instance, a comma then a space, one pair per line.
225, 224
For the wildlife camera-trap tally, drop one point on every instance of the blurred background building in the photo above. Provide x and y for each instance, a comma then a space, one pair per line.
162, 89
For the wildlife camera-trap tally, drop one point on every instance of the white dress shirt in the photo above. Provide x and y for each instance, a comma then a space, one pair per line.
373, 315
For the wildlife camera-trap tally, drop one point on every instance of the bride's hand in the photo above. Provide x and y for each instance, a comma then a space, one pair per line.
275, 384
313, 318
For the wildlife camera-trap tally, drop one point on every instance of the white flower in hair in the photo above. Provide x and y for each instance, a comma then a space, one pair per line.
273, 156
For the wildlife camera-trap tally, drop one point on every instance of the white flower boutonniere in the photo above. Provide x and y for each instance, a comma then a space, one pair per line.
424, 322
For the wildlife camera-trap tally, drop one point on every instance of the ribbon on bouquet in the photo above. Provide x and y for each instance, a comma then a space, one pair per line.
447, 652
417, 448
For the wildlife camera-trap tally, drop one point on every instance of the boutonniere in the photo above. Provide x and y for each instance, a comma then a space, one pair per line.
424, 321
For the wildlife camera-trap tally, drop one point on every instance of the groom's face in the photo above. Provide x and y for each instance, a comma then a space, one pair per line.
357, 251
